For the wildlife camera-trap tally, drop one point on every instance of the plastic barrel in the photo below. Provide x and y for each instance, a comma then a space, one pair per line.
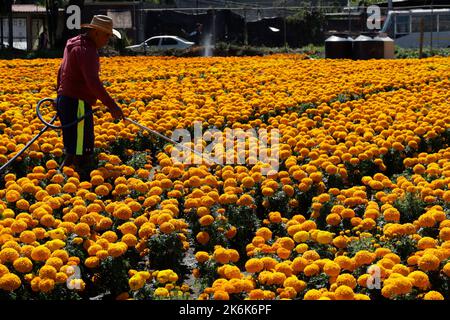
338, 46
368, 46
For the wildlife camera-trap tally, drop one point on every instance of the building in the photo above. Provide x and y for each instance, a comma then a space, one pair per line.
28, 23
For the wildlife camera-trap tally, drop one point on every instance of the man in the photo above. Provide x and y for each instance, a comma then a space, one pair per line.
43, 40
78, 88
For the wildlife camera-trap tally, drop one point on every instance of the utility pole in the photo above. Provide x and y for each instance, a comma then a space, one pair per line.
284, 25
1, 33
10, 24
431, 30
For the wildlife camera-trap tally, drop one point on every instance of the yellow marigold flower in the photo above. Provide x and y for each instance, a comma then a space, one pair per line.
117, 249
419, 279
433, 295
9, 282
301, 236
8, 255
346, 279
231, 272
428, 262
202, 237
40, 253
254, 265
206, 220
221, 295
256, 294
136, 282
82, 229
444, 233
331, 268
312, 294
446, 269
364, 257
122, 212
23, 265
12, 196
92, 262
324, 237
344, 292
333, 219
265, 233
202, 256
221, 255
311, 270
128, 228
426, 242
101, 190
47, 272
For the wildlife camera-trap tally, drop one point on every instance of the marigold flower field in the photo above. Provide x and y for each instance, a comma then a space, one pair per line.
362, 192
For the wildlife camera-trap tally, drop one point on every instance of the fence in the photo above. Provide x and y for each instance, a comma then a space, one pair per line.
258, 24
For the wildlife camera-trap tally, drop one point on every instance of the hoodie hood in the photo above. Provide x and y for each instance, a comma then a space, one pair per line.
78, 41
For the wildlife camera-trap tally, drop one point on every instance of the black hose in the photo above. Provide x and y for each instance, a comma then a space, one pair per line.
26, 146
47, 125
38, 113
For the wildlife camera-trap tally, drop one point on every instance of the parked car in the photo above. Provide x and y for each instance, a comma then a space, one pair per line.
161, 43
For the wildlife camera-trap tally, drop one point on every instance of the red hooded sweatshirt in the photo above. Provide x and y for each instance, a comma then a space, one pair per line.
78, 74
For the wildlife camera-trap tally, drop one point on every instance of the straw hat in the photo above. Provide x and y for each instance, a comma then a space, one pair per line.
102, 23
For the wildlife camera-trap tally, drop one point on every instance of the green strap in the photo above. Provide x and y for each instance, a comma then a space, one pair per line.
80, 128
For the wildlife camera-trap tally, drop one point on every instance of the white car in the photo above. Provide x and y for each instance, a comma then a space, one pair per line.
161, 43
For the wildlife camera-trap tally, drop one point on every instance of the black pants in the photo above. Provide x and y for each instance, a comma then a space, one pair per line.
78, 139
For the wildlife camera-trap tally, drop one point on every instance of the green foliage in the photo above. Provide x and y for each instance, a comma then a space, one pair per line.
138, 160
404, 246
73, 249
410, 206
365, 243
279, 201
166, 252
324, 211
112, 274
318, 282
393, 161
246, 222
403, 53
208, 273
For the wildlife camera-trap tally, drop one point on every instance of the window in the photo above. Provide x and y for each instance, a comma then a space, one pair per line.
153, 42
402, 24
169, 42
19, 32
444, 22
429, 23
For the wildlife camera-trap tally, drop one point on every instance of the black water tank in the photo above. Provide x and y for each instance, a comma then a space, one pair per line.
368, 46
338, 46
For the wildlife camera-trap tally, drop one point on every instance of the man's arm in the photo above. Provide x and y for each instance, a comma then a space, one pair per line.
89, 65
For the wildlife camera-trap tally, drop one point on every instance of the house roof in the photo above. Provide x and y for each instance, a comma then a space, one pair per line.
27, 8
404, 3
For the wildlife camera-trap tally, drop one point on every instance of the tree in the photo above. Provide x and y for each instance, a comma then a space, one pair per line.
6, 8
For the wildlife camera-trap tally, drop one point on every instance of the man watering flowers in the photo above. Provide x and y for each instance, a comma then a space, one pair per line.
78, 88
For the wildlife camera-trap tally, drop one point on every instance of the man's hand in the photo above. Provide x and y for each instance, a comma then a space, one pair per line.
116, 112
